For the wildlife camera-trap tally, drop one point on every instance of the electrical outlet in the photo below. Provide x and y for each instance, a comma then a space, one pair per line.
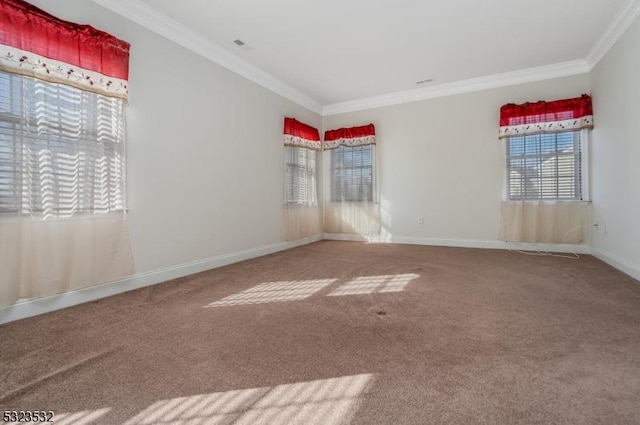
420, 220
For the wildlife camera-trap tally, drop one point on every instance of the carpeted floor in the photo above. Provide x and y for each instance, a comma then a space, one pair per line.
343, 332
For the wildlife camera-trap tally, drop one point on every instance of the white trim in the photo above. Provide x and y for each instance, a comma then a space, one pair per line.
614, 31
33, 307
345, 237
463, 243
624, 266
565, 69
152, 19
547, 247
585, 147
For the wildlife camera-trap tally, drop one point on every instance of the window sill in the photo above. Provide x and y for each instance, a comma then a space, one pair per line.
19, 218
547, 202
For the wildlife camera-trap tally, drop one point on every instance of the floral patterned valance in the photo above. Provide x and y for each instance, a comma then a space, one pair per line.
37, 44
353, 136
300, 134
546, 117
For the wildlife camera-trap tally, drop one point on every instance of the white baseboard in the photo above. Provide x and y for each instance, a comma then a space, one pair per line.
345, 237
463, 243
32, 307
547, 247
624, 266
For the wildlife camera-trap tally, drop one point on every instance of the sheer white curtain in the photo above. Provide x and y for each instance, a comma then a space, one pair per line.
41, 258
63, 224
302, 209
546, 173
544, 222
352, 204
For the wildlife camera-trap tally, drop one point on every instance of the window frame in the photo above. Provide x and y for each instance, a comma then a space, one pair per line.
307, 172
18, 124
332, 184
583, 161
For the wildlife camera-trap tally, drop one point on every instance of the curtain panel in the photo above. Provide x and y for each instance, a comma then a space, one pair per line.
352, 208
37, 44
42, 258
546, 117
63, 221
302, 212
545, 221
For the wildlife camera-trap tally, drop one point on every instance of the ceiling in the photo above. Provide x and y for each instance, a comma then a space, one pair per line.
334, 51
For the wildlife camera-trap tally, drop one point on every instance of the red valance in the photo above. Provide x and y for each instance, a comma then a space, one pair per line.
300, 134
299, 129
353, 136
546, 117
38, 44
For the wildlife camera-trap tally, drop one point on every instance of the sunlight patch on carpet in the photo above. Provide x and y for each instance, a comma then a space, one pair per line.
375, 284
271, 292
322, 402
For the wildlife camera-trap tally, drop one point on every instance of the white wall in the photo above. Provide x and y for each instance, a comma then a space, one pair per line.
441, 159
205, 157
616, 153
204, 149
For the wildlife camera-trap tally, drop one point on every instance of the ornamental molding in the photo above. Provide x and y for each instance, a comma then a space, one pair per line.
161, 24
152, 19
617, 28
565, 69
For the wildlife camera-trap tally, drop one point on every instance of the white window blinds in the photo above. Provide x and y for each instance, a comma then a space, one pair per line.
61, 149
545, 166
352, 173
300, 176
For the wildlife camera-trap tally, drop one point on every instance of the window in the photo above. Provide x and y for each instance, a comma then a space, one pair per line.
545, 166
61, 149
300, 176
352, 173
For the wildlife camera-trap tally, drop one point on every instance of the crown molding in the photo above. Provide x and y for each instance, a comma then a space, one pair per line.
564, 69
150, 18
614, 31
169, 28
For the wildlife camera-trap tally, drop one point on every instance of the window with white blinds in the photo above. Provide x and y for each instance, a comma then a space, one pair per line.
545, 166
61, 149
352, 174
300, 176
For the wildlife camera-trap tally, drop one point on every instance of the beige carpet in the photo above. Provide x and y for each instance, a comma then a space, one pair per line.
342, 332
